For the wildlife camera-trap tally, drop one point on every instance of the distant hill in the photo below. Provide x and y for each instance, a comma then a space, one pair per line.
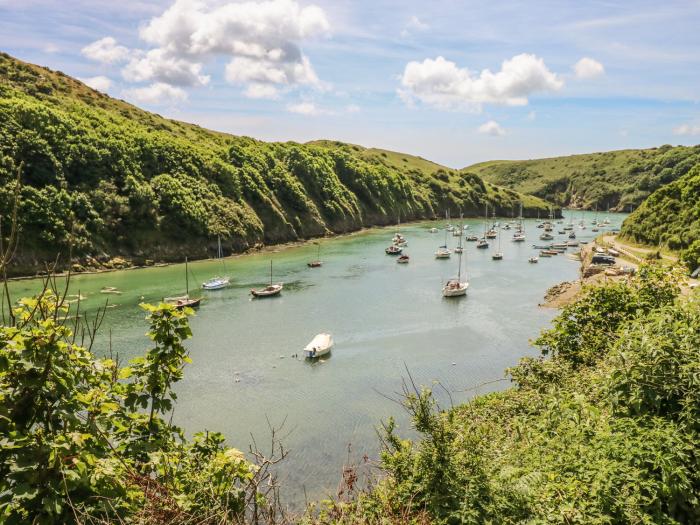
109, 179
620, 179
670, 217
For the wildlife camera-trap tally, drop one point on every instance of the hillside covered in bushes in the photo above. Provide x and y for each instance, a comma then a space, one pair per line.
619, 180
670, 218
106, 178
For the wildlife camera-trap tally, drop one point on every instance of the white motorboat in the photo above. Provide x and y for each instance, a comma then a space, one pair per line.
433, 230
320, 345
533, 260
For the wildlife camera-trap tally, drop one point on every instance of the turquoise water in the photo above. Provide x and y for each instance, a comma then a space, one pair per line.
385, 318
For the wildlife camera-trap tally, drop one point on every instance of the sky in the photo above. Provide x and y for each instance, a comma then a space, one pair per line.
457, 82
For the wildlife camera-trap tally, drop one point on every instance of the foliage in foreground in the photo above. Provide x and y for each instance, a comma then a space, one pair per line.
604, 430
84, 440
671, 218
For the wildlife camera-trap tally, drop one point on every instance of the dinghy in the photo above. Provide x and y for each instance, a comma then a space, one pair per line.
319, 346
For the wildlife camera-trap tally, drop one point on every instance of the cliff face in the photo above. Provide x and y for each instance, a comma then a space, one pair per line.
102, 178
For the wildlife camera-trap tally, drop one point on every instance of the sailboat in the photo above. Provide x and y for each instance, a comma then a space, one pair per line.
183, 301
519, 235
443, 252
399, 240
483, 243
217, 283
498, 255
269, 290
317, 263
456, 287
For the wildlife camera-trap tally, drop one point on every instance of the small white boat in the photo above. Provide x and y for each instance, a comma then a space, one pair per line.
459, 249
272, 289
319, 346
215, 283
455, 288
403, 259
519, 237
393, 250
269, 290
442, 253
533, 260
433, 230
498, 256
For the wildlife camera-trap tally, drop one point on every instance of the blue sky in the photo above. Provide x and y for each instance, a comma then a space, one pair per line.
457, 82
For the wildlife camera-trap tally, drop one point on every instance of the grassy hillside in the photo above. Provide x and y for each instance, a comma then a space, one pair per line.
670, 217
109, 179
620, 180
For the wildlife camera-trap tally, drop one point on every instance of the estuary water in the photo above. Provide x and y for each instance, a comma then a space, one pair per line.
386, 318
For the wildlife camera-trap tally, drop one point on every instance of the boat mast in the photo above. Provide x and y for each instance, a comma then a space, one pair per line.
187, 280
459, 268
270, 272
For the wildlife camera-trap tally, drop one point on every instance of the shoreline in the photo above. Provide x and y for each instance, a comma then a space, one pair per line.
264, 248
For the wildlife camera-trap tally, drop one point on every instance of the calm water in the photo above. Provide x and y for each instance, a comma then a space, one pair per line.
383, 316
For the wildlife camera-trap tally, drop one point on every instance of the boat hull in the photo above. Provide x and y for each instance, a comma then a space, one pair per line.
270, 291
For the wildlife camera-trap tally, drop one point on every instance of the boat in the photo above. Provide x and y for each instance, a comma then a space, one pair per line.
498, 254
560, 245
320, 345
519, 235
456, 287
540, 247
482, 244
270, 290
545, 254
572, 243
533, 259
433, 230
403, 259
546, 237
217, 283
317, 263
491, 234
572, 235
561, 232
549, 252
393, 250
443, 252
399, 240
459, 249
184, 301
472, 238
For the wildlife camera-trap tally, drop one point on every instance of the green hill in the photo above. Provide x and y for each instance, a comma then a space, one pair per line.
670, 217
102, 178
620, 179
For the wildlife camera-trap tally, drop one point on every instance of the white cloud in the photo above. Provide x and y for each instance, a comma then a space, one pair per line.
440, 83
414, 25
160, 66
51, 48
261, 91
99, 83
588, 68
352, 108
306, 108
687, 129
158, 93
492, 128
106, 50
